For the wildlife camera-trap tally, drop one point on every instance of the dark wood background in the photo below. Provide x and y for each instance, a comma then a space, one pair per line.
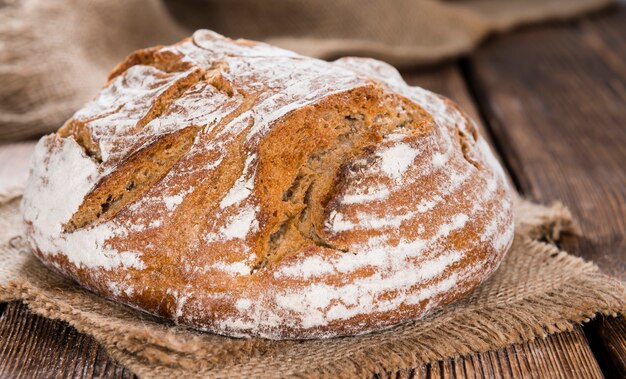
552, 100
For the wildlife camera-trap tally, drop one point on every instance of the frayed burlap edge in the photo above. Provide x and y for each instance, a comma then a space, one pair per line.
504, 310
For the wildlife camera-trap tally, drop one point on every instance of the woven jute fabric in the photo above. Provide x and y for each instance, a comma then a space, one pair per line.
537, 290
55, 54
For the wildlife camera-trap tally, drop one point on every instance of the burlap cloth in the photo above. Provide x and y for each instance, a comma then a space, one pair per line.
55, 54
537, 290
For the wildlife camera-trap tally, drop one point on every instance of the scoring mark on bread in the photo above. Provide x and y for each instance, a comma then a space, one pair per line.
132, 178
465, 141
79, 131
350, 133
163, 102
147, 166
170, 64
158, 57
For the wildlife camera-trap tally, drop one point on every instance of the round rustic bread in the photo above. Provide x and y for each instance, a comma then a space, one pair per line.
239, 188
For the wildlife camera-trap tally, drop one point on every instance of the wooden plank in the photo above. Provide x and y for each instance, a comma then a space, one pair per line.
608, 338
566, 355
558, 112
33, 346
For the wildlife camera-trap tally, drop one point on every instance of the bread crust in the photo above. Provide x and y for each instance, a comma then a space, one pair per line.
238, 188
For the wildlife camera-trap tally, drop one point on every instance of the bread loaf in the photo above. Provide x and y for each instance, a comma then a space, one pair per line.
242, 189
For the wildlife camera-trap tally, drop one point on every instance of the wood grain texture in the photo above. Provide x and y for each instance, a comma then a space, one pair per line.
608, 338
558, 112
32, 346
565, 355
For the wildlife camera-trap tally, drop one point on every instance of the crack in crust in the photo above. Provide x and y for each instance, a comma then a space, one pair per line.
163, 102
132, 178
157, 57
351, 132
167, 62
153, 162
81, 134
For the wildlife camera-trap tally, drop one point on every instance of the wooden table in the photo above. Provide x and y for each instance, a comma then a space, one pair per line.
552, 99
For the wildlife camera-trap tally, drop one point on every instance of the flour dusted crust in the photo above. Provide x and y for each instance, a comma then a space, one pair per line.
243, 189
